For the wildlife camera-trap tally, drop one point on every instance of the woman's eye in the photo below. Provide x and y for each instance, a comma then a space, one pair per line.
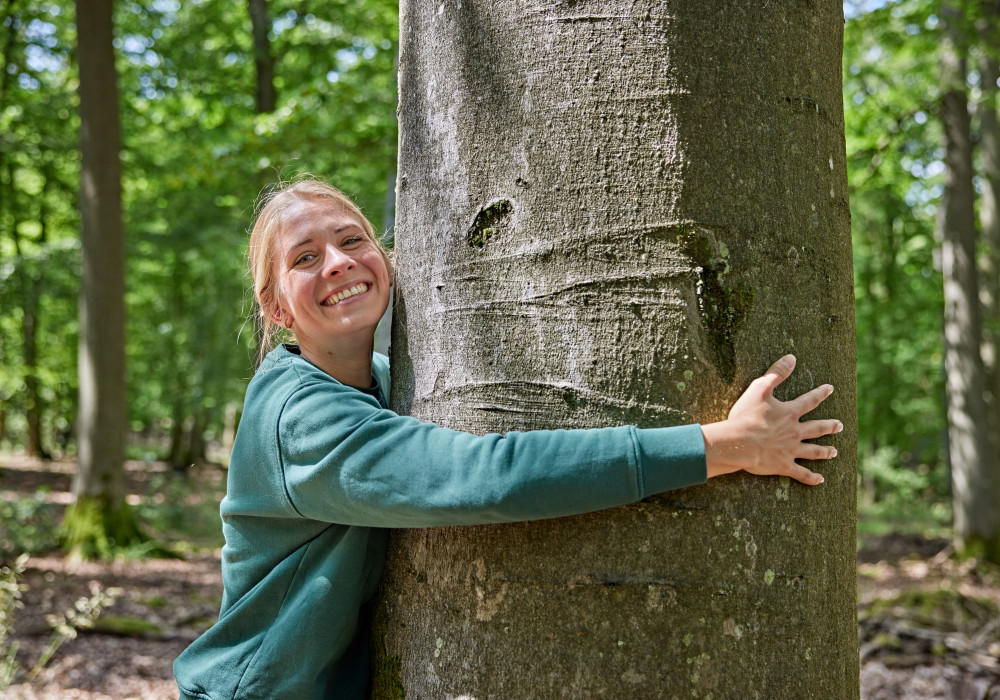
303, 259
353, 240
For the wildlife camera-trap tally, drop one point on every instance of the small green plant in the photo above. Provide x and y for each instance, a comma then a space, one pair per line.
83, 615
10, 601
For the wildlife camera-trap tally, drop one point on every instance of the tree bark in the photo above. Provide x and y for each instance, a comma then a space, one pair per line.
99, 517
622, 212
974, 483
989, 280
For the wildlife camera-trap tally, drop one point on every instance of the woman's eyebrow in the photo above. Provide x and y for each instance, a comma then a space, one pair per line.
309, 238
300, 243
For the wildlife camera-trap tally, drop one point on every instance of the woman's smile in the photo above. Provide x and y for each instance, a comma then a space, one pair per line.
344, 294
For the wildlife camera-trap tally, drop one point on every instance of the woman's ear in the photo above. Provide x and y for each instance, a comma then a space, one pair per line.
274, 311
280, 317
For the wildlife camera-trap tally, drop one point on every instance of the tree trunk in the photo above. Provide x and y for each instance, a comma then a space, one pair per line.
32, 393
989, 281
974, 487
621, 212
266, 94
26, 278
99, 519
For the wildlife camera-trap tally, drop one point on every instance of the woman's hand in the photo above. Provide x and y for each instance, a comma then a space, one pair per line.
765, 436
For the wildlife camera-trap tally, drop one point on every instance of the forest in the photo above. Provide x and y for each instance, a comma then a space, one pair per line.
217, 101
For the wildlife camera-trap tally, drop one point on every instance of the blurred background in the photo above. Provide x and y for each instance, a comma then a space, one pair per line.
219, 99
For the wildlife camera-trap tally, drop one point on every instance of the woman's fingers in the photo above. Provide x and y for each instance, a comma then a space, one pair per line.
819, 428
807, 477
776, 374
810, 400
810, 450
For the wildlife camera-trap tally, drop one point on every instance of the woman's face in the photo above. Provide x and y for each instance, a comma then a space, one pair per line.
333, 281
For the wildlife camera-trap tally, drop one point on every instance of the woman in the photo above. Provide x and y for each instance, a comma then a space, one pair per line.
321, 466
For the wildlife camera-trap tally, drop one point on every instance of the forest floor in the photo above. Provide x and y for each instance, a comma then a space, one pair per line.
929, 623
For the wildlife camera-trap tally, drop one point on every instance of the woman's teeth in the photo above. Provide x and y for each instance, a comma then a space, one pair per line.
340, 296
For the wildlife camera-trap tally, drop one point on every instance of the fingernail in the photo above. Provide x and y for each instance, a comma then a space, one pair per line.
820, 481
829, 389
834, 453
840, 426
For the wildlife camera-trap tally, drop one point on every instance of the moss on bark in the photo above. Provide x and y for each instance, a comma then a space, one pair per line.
93, 527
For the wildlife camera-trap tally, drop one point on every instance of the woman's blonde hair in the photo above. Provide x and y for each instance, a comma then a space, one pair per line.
272, 211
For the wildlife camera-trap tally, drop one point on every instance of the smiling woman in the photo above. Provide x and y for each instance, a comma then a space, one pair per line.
321, 466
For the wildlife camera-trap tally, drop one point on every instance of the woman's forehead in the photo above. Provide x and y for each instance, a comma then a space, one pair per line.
310, 218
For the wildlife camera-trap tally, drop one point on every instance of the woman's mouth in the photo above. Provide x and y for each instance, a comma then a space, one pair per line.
359, 288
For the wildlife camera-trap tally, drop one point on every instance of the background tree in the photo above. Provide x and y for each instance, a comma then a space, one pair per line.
617, 213
974, 469
99, 516
989, 279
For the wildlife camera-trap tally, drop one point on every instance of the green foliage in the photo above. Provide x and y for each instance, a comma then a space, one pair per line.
895, 178
900, 498
196, 153
30, 525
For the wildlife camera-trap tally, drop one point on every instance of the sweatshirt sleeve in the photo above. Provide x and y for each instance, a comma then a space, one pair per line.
345, 459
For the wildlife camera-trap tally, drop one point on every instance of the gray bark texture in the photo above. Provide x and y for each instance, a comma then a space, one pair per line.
612, 213
973, 477
102, 415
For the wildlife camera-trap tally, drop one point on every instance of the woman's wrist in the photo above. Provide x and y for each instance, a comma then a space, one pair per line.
725, 451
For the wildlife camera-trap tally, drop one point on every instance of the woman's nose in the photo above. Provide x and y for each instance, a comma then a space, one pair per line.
337, 261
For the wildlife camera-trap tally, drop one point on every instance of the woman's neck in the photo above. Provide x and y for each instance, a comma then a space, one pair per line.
350, 364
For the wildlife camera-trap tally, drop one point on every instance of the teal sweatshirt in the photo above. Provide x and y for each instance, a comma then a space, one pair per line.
319, 469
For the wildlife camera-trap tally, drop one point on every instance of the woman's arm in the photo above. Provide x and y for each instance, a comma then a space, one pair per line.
765, 436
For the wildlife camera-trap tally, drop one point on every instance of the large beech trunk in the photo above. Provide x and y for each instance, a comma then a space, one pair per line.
621, 212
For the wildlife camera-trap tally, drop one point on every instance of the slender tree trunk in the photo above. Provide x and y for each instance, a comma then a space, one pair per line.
32, 282
621, 212
974, 483
989, 281
264, 60
27, 287
99, 518
33, 396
